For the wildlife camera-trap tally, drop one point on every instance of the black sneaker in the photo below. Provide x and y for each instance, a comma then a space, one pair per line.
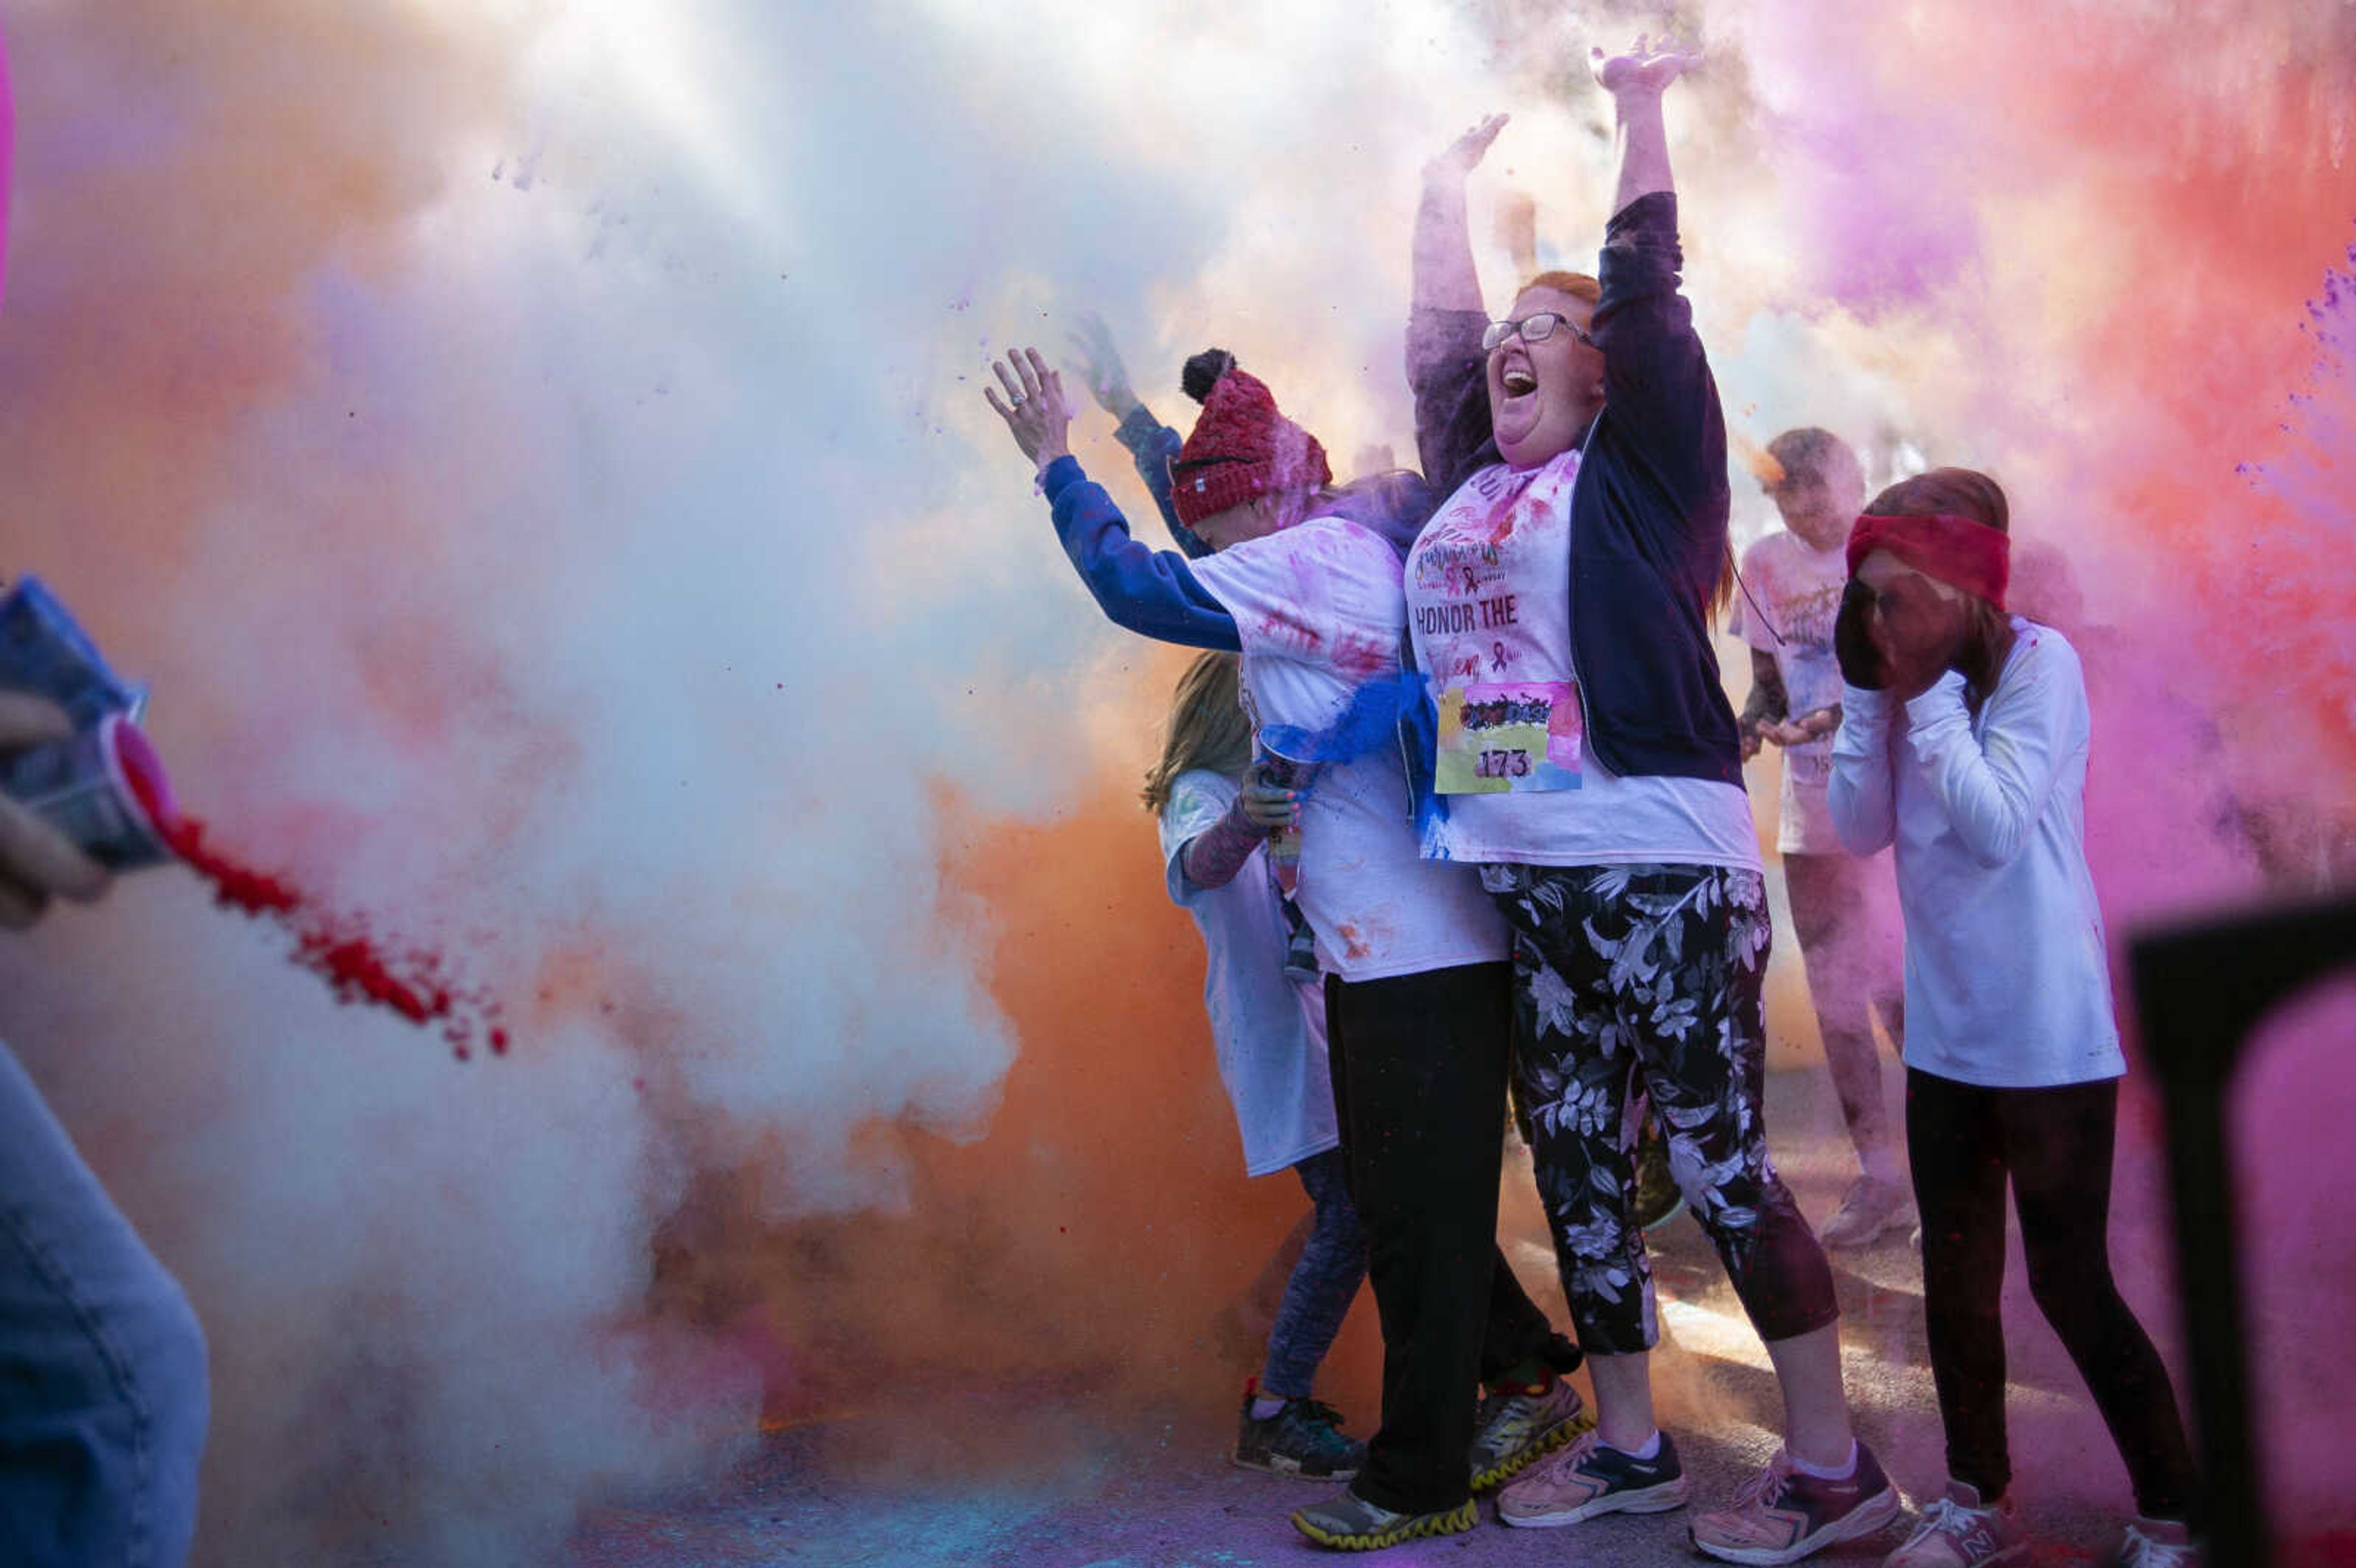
1303, 1439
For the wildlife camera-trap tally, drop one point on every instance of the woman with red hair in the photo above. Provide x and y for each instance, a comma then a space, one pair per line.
1584, 756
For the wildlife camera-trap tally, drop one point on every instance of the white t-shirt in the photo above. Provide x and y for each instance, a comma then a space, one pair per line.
1798, 589
2008, 979
1317, 608
1269, 1032
1488, 596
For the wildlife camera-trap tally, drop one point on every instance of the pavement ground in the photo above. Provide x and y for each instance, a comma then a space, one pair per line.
1055, 1480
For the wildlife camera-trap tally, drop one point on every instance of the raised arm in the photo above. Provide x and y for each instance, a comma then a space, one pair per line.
1149, 592
1445, 319
1660, 399
1636, 81
1445, 278
1151, 446
1146, 591
1149, 443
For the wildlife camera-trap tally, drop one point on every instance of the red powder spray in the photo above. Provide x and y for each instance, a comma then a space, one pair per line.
336, 946
339, 947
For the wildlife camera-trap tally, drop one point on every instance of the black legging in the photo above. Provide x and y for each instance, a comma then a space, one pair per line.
1419, 1065
2055, 1144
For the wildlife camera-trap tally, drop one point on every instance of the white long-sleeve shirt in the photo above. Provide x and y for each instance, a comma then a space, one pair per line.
2007, 984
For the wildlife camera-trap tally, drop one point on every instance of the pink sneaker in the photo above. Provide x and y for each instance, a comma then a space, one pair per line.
1961, 1531
1787, 1514
1591, 1478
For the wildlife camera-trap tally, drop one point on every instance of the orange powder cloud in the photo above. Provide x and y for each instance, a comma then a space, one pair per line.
1098, 1229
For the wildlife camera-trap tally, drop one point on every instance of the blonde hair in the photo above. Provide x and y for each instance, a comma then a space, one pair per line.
1208, 728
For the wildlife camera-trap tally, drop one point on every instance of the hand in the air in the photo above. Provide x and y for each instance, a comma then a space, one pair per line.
1647, 68
1101, 366
1034, 408
1464, 154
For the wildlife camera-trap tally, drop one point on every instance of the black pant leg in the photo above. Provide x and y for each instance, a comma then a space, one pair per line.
2058, 1145
1517, 1332
1425, 1085
1956, 1154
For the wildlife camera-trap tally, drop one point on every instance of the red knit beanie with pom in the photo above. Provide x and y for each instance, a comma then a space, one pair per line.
1242, 448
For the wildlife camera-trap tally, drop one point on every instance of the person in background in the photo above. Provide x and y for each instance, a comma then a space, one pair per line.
1269, 1032
1964, 741
1792, 583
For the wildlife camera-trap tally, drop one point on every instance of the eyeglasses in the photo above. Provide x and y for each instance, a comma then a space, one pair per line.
1533, 329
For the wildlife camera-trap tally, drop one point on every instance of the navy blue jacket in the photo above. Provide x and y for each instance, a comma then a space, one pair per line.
1648, 511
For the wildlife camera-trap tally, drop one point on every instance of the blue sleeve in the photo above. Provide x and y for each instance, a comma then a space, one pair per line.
1151, 444
1148, 591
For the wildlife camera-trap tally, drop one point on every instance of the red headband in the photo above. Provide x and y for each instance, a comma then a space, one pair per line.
1956, 550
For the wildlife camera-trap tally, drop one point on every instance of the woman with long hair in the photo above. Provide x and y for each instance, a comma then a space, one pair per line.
1268, 1031
1964, 741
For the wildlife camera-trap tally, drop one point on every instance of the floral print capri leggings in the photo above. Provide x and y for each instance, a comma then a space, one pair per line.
1637, 981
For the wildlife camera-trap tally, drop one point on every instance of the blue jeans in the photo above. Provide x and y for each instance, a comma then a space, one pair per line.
102, 1391
1323, 1282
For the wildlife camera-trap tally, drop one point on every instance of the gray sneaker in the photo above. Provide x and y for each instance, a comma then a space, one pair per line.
1514, 1428
1350, 1523
1869, 1209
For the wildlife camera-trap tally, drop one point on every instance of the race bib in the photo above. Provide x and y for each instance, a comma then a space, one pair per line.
1810, 765
1501, 737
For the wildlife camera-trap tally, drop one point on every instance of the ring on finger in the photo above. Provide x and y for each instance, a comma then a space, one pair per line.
1017, 400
